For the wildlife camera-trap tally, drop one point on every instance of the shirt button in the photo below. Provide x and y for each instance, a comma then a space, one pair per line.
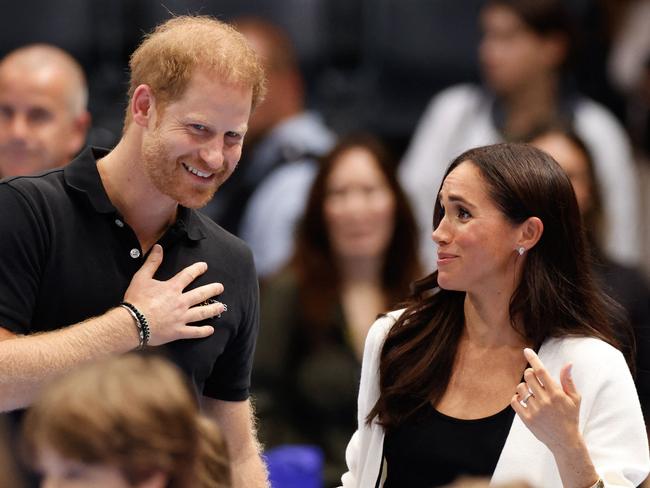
119, 223
135, 253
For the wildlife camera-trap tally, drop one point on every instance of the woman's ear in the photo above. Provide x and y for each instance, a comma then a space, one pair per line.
530, 233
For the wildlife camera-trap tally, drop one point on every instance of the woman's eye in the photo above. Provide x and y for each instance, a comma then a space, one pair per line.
199, 127
463, 214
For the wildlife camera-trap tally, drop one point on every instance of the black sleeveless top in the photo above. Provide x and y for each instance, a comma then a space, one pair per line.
432, 449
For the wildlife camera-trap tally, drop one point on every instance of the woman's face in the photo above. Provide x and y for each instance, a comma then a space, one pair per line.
60, 472
512, 56
476, 243
574, 163
359, 207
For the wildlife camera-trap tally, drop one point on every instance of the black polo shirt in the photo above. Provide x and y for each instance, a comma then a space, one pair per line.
66, 255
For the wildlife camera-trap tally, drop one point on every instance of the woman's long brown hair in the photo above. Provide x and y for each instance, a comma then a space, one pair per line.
314, 261
557, 295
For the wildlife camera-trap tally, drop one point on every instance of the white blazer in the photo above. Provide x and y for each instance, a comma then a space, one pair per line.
611, 421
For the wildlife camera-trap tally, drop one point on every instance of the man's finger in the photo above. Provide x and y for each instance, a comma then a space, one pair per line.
187, 275
200, 294
203, 312
197, 332
152, 263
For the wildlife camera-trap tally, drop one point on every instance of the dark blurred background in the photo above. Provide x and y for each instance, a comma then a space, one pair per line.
369, 64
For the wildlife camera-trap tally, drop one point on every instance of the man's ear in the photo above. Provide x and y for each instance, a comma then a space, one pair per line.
79, 131
531, 232
143, 105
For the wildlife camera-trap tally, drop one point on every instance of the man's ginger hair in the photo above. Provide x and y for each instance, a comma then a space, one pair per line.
169, 56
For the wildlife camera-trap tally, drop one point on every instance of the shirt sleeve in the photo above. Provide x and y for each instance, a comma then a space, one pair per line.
231, 376
22, 258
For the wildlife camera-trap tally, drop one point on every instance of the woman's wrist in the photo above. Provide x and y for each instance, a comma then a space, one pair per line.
575, 465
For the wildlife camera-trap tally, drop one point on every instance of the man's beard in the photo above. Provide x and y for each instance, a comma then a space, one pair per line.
166, 175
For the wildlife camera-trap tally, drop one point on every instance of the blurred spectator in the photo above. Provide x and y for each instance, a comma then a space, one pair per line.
525, 53
278, 166
43, 115
629, 69
625, 284
355, 256
124, 422
9, 473
473, 482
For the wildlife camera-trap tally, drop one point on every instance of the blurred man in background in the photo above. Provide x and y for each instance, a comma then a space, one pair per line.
284, 140
43, 114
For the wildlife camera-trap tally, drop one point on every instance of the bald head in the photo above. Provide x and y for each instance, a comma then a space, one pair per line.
43, 115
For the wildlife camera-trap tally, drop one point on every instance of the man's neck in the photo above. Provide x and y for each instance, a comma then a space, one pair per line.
147, 211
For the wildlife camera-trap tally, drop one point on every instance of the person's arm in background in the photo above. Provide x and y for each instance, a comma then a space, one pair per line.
237, 422
617, 176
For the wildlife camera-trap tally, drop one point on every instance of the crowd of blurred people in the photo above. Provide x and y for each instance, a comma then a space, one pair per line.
335, 190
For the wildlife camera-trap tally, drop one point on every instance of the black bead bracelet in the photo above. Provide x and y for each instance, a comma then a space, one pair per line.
140, 322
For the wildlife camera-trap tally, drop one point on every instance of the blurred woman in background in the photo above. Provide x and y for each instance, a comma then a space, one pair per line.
127, 422
355, 257
624, 283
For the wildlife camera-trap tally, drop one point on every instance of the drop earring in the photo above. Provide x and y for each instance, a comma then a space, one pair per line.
521, 250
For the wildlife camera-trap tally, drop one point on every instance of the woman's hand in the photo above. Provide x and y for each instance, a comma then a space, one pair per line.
551, 412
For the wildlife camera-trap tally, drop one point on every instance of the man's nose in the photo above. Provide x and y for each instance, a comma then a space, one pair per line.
212, 153
18, 127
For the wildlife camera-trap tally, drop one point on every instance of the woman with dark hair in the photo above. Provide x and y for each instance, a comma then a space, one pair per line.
355, 257
625, 284
504, 362
525, 57
126, 422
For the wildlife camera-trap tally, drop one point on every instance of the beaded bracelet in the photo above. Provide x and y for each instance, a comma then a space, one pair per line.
140, 322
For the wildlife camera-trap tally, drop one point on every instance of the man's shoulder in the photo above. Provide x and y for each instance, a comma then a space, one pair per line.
217, 235
463, 94
34, 188
592, 115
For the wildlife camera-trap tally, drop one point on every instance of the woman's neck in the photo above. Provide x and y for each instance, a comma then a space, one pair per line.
362, 297
358, 271
530, 107
488, 322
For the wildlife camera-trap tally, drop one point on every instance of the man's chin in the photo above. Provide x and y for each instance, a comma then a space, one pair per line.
196, 201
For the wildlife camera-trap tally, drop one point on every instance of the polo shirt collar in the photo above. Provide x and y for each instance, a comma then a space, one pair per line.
82, 175
189, 221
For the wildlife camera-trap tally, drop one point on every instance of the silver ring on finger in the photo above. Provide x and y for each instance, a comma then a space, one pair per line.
524, 401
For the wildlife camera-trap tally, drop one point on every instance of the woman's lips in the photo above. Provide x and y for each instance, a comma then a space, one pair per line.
445, 258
